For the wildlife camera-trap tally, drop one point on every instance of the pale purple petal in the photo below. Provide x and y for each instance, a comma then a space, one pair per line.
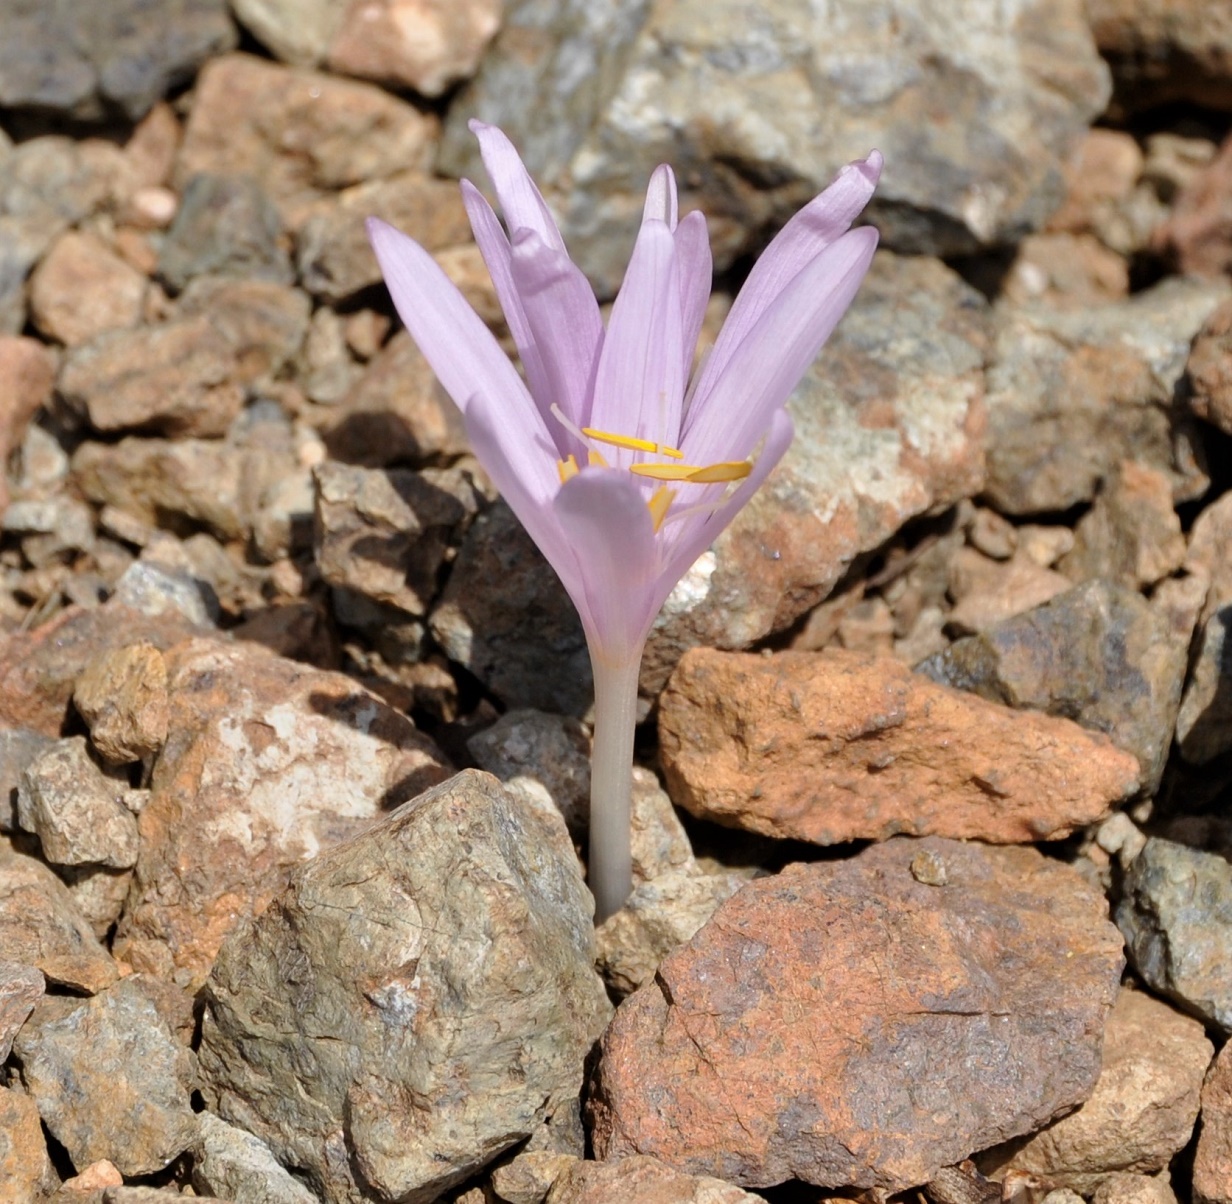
768, 364
640, 384
604, 516
452, 337
522, 203
823, 220
661, 197
696, 273
565, 323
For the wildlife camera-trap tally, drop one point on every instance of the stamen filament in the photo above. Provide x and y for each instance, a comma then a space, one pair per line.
709, 474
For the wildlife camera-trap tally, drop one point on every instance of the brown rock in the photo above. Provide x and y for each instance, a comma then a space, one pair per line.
25, 1169
82, 289
847, 1024
1142, 1110
1124, 1187
39, 926
837, 746
1199, 230
300, 134
646, 1180
150, 150
94, 1177
427, 45
21, 987
1100, 176
27, 373
988, 591
1067, 270
1210, 370
1212, 1172
122, 696
267, 762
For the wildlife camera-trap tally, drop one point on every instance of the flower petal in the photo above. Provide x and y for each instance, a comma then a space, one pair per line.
771, 359
521, 201
661, 197
696, 273
639, 385
563, 315
452, 337
605, 519
823, 220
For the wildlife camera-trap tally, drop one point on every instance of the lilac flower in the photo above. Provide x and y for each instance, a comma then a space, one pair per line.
621, 463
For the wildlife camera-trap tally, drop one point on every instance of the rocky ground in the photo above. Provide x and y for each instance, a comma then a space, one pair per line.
933, 893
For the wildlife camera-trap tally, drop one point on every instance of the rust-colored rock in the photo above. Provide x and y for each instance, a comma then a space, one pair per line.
1212, 1172
122, 696
26, 1173
1210, 370
849, 1023
83, 288
837, 746
27, 373
1199, 231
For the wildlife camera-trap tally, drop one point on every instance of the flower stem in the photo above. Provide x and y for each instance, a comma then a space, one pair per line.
611, 781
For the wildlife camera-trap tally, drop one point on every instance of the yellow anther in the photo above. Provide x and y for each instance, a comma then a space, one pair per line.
730, 470
595, 459
568, 469
633, 444
659, 503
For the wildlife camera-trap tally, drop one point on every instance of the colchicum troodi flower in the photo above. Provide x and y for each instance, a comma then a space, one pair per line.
622, 464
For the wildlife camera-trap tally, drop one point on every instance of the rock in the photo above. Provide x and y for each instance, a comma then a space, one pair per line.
660, 844
327, 368
1105, 195
384, 931
1072, 394
732, 104
524, 643
98, 892
18, 747
646, 1180
987, 592
78, 814
1066, 270
122, 56
301, 135
296, 31
1098, 654
1176, 915
1141, 1112
267, 762
396, 412
174, 378
54, 529
1131, 534
154, 589
1209, 369
1212, 1168
225, 226
26, 1173
97, 1176
236, 1165
1124, 1187
928, 1036
889, 425
528, 1178
122, 696
838, 746
41, 927
27, 373
426, 45
109, 1079
333, 256
83, 289
21, 987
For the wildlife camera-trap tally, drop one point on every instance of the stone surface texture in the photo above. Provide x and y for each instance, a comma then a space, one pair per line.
21, 987
930, 1030
839, 746
646, 1180
1212, 1170
122, 696
232, 1164
449, 945
26, 1173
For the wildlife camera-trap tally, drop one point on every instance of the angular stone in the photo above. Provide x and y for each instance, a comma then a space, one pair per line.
838, 746
98, 892
646, 1180
1073, 393
1209, 369
40, 926
26, 1173
122, 55
225, 226
528, 1178
1212, 1170
987, 592
427, 45
175, 378
935, 1019
18, 747
889, 425
83, 288
267, 762
1066, 270
394, 1003
122, 696
236, 1165
1124, 1187
732, 102
300, 134
296, 31
1176, 915
27, 374
78, 814
21, 987
1098, 654
1143, 1108
109, 1079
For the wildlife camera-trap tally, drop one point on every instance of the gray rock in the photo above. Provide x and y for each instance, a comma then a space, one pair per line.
1099, 654
1176, 916
109, 1079
238, 1166
1204, 722
18, 747
21, 987
524, 640
730, 97
77, 812
1073, 393
449, 945
155, 589
225, 226
115, 55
